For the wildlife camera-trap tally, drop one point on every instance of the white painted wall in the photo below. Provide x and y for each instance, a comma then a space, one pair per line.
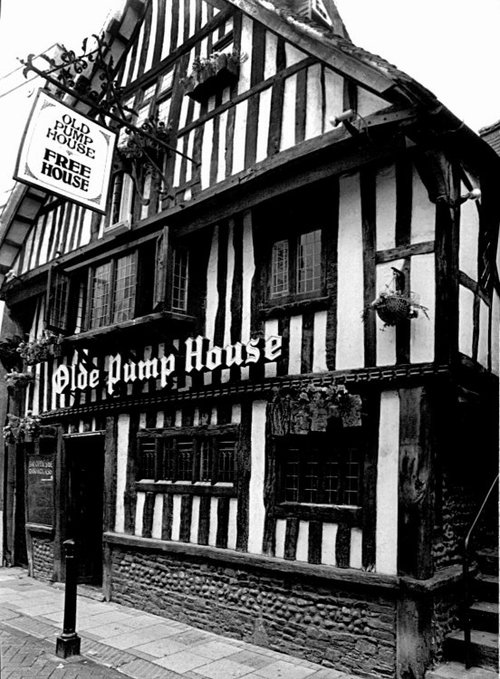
121, 471
386, 532
256, 509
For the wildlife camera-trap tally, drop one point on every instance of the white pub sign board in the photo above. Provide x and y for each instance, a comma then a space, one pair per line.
66, 153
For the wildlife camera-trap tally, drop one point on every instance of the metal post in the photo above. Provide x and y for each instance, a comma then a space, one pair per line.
68, 643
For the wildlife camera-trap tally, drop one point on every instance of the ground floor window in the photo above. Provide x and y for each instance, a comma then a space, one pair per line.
190, 455
320, 468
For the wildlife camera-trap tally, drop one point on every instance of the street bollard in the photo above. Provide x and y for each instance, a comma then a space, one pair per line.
68, 643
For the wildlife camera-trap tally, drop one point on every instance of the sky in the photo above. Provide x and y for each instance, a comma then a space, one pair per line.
450, 46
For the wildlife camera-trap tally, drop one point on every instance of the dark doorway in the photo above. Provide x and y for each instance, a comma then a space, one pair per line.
85, 460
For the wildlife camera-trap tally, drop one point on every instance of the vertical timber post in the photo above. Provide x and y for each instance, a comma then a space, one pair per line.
416, 513
68, 643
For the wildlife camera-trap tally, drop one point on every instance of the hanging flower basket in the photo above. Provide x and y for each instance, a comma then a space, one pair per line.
18, 380
212, 74
310, 409
40, 349
394, 305
22, 429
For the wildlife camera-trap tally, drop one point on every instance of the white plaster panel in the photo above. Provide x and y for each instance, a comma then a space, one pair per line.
176, 517
139, 513
212, 532
302, 550
264, 123
246, 48
386, 208
314, 102
423, 283
350, 281
206, 153
195, 518
123, 427
157, 517
328, 542
465, 320
279, 550
256, 508
423, 212
232, 523
295, 345
334, 97
319, 342
288, 113
386, 533
270, 55
356, 558
239, 139
483, 343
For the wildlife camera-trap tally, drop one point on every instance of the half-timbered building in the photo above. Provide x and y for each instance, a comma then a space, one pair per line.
263, 386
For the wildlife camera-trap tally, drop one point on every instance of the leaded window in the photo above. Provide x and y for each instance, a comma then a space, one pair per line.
113, 287
189, 455
296, 267
313, 469
179, 279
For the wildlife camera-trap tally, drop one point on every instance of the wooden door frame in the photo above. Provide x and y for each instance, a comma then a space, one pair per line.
62, 479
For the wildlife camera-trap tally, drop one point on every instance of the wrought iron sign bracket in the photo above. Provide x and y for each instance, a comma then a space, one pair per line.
91, 100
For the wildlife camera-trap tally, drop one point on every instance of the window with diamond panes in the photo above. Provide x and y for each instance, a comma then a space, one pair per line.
120, 289
279, 269
208, 458
124, 288
309, 262
179, 279
100, 296
296, 265
317, 471
226, 460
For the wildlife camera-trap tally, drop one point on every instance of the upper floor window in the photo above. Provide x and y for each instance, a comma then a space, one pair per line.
112, 291
179, 279
296, 265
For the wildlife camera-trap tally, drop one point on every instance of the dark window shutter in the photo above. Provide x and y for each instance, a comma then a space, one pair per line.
161, 271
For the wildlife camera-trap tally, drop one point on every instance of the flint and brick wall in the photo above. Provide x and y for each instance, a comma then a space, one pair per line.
350, 628
43, 558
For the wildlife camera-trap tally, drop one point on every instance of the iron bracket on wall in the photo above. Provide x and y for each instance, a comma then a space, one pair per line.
67, 76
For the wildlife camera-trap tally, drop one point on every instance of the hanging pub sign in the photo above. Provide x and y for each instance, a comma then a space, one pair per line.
66, 153
198, 357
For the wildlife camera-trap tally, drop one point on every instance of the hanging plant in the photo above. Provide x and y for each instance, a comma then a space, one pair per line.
18, 380
212, 74
310, 409
41, 349
139, 156
393, 305
9, 355
21, 429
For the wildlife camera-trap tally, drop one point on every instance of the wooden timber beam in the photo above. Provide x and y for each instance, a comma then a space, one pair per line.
312, 41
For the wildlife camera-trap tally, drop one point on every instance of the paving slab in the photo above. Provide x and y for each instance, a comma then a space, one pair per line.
138, 644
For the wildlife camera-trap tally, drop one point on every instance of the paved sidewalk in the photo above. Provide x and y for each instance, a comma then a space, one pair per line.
138, 644
22, 656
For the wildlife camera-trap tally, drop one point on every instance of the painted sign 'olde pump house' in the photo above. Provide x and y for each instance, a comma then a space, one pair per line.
254, 385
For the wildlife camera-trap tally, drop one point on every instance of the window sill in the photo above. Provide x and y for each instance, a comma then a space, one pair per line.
185, 488
289, 306
308, 512
135, 326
